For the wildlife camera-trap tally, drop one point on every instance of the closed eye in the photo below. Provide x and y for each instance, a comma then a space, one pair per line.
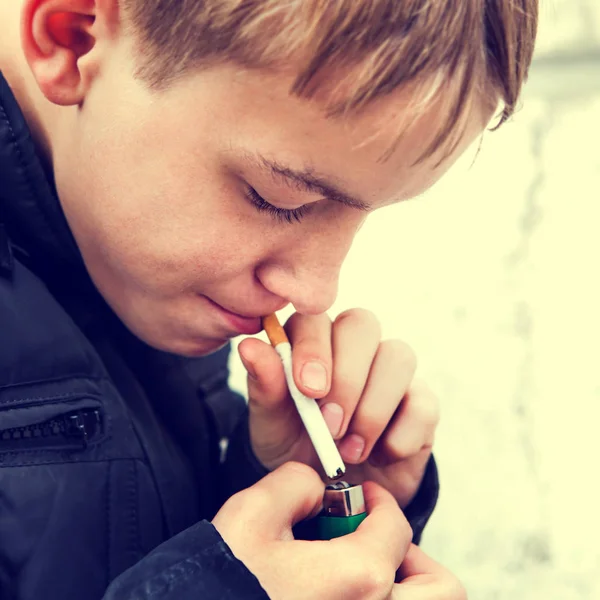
280, 214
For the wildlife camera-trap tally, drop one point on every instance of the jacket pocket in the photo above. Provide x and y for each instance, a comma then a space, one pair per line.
71, 425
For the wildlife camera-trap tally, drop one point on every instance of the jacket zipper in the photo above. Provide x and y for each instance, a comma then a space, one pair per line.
74, 430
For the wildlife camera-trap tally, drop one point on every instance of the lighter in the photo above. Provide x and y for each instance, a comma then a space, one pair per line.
343, 510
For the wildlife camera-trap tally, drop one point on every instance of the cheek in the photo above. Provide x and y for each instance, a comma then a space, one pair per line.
151, 208
139, 225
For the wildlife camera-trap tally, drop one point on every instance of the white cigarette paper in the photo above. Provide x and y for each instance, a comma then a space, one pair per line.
313, 420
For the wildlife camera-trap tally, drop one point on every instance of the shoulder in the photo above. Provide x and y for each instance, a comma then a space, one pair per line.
57, 401
39, 340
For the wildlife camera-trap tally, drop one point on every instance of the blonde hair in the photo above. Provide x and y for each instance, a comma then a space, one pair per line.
466, 46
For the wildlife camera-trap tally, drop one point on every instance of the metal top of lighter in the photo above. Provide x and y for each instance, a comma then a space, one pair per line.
343, 510
342, 499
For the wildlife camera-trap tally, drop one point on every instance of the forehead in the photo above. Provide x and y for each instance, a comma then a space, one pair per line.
374, 152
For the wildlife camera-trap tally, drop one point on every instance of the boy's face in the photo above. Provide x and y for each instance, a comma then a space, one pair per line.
156, 186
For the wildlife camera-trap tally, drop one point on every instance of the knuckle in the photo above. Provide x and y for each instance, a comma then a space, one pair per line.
377, 578
360, 317
256, 497
238, 509
400, 353
348, 388
427, 410
459, 591
401, 525
389, 448
235, 502
406, 529
400, 451
368, 424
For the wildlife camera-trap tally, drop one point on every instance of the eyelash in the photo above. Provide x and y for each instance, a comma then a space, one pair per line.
280, 214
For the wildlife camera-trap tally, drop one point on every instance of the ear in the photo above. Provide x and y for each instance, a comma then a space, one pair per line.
63, 42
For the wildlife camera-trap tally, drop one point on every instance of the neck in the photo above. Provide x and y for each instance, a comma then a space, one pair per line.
37, 110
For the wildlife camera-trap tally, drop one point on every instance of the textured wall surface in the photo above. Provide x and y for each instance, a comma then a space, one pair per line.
493, 278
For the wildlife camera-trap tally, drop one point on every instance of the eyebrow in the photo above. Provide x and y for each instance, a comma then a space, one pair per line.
307, 180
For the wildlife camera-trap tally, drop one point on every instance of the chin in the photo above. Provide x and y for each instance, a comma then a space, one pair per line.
204, 348
190, 347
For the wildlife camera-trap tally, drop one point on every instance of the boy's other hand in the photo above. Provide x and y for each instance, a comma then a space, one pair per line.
257, 526
382, 420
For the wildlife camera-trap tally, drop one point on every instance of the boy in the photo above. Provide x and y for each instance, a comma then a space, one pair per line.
169, 173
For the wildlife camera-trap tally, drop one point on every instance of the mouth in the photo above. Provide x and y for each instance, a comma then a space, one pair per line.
239, 324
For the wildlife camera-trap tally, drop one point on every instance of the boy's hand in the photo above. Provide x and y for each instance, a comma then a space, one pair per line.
383, 421
257, 526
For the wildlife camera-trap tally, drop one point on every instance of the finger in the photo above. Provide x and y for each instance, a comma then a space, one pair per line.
356, 335
310, 337
289, 494
390, 376
274, 419
428, 589
417, 563
422, 578
412, 427
385, 533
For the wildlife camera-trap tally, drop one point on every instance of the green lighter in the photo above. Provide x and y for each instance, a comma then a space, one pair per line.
343, 510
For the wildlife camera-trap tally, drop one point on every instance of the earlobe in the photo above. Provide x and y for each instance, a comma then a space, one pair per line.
56, 35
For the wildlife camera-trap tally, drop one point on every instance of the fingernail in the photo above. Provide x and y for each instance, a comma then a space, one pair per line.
352, 448
314, 376
334, 416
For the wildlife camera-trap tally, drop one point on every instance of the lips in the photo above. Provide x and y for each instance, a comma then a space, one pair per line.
240, 324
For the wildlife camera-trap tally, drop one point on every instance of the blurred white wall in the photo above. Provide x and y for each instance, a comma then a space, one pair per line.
493, 278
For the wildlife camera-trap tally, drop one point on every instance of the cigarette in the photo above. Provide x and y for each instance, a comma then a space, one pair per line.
308, 409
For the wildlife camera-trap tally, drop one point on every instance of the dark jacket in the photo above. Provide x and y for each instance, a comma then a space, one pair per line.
111, 452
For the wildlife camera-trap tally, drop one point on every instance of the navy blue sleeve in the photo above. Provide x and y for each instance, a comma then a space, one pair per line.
194, 565
421, 507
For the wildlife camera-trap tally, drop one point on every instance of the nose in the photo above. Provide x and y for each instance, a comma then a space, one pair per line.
310, 290
305, 271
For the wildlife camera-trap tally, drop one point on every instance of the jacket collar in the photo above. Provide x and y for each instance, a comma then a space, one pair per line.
29, 206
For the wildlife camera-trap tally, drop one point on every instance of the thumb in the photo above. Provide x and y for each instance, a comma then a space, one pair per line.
295, 492
273, 419
272, 506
